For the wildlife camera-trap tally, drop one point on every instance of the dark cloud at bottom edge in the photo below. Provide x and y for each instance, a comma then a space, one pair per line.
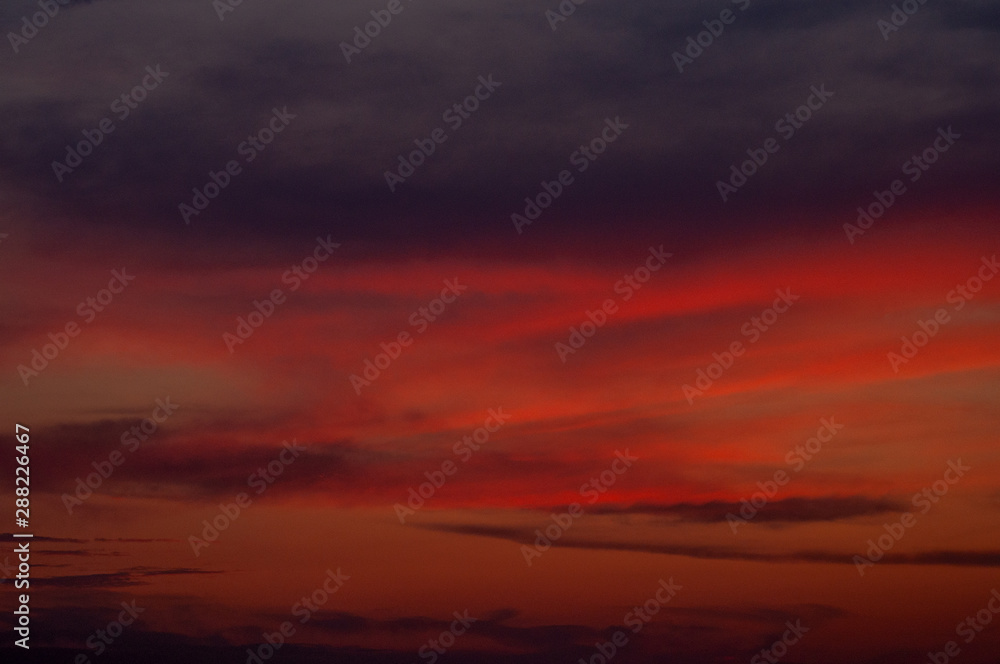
296, 654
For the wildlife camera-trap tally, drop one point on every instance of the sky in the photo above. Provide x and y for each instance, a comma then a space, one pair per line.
503, 332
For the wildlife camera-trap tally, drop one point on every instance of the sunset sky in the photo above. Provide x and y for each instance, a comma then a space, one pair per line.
300, 310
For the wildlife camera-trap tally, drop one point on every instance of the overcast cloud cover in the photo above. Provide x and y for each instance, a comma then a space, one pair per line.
557, 87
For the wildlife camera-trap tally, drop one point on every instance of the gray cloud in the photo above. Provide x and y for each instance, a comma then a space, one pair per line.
134, 576
796, 509
525, 536
353, 120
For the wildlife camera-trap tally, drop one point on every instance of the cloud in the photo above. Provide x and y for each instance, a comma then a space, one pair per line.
491, 626
527, 537
685, 129
681, 638
134, 576
795, 509
9, 537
